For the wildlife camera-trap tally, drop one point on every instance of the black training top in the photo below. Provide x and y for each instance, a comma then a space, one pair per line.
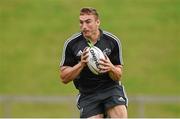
87, 82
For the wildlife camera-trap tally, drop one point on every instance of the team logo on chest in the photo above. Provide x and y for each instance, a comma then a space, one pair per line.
107, 51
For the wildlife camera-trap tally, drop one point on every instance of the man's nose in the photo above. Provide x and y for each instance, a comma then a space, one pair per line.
84, 26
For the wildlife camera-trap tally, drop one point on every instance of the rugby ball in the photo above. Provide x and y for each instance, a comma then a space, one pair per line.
95, 54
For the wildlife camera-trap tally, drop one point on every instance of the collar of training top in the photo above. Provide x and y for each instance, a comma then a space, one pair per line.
99, 38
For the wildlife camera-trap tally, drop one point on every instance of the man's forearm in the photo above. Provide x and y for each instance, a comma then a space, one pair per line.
116, 72
70, 73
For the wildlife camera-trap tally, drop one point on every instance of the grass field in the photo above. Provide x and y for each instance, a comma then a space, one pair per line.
32, 33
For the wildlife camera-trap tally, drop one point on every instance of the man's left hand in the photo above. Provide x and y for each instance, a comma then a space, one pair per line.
105, 65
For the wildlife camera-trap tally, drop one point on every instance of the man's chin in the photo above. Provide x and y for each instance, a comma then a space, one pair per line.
86, 35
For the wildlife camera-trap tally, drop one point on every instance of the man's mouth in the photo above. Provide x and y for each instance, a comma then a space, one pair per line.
85, 31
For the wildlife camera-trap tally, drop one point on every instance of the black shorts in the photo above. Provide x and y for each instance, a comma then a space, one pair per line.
97, 103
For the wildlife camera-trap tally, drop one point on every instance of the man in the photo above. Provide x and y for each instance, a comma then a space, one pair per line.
99, 95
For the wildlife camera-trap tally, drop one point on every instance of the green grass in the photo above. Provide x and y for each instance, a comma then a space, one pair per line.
32, 33
155, 110
162, 111
64, 110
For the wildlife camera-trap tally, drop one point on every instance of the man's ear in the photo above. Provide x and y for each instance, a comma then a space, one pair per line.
98, 22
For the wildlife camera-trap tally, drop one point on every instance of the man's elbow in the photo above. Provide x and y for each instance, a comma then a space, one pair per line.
63, 79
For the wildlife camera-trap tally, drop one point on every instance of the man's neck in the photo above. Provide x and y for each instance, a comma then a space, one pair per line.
94, 38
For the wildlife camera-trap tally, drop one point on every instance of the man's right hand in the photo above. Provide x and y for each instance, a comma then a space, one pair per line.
84, 57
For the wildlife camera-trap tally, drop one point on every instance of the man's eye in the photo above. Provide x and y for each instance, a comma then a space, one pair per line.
88, 22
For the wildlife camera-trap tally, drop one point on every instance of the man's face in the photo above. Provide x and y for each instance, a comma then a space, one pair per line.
89, 25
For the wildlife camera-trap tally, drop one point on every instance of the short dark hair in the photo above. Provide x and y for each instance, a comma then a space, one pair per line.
89, 11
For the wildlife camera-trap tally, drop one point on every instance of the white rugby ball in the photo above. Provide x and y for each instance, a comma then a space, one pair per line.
95, 54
